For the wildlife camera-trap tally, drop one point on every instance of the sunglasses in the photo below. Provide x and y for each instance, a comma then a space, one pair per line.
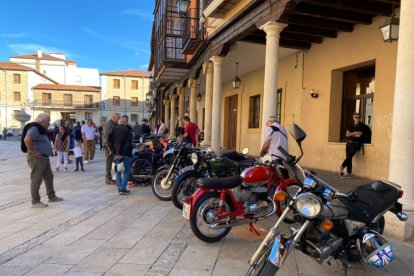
357, 117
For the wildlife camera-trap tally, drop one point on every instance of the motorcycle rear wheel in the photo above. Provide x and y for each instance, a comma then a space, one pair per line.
163, 193
205, 209
186, 187
141, 166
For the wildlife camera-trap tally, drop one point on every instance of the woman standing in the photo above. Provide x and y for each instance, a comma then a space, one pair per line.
62, 144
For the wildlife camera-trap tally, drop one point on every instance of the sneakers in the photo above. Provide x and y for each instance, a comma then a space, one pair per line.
66, 169
76, 170
91, 161
346, 175
124, 192
110, 182
39, 205
341, 171
55, 199
86, 161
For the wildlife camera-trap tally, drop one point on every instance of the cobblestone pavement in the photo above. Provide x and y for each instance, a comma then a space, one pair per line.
95, 231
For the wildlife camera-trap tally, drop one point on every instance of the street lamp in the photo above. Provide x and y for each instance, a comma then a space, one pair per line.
389, 29
199, 97
182, 5
237, 81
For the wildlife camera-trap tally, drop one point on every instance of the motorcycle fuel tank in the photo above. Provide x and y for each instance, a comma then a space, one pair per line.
256, 175
223, 164
334, 209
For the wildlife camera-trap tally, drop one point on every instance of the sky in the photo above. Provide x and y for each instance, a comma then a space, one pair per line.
110, 35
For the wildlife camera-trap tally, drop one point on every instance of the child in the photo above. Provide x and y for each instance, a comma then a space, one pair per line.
62, 142
78, 156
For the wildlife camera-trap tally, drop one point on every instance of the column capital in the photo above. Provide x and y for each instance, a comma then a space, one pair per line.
166, 102
193, 83
180, 90
217, 60
272, 28
172, 97
207, 67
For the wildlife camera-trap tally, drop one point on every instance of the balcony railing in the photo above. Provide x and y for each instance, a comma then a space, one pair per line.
192, 31
64, 104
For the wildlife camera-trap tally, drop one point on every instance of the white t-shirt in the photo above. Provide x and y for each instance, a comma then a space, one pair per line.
77, 151
276, 139
88, 131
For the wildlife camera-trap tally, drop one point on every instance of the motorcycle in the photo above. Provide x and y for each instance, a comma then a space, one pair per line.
166, 174
145, 162
345, 227
228, 163
221, 203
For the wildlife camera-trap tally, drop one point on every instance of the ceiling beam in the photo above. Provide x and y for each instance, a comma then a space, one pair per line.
310, 31
301, 37
321, 23
294, 44
371, 7
333, 14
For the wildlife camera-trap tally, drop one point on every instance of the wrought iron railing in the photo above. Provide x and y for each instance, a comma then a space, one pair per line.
192, 31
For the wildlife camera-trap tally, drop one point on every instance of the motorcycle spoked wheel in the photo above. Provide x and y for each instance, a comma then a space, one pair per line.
264, 267
141, 167
184, 188
163, 193
205, 213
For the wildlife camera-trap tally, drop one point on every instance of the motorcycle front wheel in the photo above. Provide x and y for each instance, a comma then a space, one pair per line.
141, 170
205, 214
185, 187
264, 267
160, 186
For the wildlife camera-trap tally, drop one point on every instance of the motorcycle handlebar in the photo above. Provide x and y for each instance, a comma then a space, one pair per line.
282, 150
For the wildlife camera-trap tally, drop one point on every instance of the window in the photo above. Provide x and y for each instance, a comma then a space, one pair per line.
134, 117
254, 111
116, 101
46, 99
134, 84
116, 83
88, 115
357, 96
15, 113
67, 99
16, 96
134, 101
88, 100
16, 78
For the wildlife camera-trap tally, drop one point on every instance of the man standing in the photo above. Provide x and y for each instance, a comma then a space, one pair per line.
38, 148
107, 130
275, 136
355, 134
145, 129
88, 136
78, 132
161, 129
120, 145
190, 131
137, 131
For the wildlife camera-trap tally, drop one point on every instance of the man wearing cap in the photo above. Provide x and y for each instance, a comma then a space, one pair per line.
107, 130
275, 136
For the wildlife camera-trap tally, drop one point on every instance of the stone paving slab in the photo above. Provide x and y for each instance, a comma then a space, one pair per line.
94, 231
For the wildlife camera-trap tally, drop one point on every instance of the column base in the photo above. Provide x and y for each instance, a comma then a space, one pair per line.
401, 230
205, 143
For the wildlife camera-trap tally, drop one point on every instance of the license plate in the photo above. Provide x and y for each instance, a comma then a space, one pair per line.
186, 210
183, 170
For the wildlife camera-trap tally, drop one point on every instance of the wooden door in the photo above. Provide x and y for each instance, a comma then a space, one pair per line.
231, 122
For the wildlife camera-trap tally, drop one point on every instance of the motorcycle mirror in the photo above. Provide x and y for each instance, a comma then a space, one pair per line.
298, 134
245, 151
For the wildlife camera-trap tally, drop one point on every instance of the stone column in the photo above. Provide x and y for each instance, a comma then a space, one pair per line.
173, 117
272, 30
208, 71
193, 84
181, 105
167, 113
200, 114
216, 105
402, 135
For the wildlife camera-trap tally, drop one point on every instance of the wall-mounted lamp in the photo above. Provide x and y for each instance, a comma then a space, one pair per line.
182, 5
237, 81
149, 96
314, 93
389, 29
199, 97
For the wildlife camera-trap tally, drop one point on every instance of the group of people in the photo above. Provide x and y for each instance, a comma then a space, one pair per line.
117, 139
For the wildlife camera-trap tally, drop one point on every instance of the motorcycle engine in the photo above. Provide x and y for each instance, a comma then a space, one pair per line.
254, 199
321, 244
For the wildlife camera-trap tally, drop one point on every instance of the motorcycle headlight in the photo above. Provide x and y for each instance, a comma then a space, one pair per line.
308, 205
194, 158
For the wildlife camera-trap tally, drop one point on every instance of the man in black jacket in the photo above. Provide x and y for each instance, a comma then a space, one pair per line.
120, 145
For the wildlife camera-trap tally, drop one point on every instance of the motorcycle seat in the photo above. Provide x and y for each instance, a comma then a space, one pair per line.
220, 182
367, 201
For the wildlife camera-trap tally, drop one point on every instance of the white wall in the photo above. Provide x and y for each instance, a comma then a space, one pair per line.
82, 76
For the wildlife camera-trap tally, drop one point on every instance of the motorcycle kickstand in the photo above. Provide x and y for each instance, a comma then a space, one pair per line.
253, 229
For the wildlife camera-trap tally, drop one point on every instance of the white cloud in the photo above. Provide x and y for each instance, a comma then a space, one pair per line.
139, 12
16, 35
22, 49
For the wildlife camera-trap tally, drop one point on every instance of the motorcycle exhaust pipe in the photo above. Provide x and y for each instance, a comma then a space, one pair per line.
226, 224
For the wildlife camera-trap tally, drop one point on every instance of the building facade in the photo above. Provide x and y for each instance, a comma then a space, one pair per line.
125, 92
312, 63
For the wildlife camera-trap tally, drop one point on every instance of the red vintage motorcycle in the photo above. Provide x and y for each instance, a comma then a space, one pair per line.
221, 203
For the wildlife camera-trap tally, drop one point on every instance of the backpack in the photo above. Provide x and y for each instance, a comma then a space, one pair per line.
42, 131
366, 134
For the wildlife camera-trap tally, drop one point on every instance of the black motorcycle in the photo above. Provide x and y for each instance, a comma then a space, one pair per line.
227, 163
345, 227
166, 174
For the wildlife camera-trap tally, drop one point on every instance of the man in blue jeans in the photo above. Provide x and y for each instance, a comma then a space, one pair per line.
120, 145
